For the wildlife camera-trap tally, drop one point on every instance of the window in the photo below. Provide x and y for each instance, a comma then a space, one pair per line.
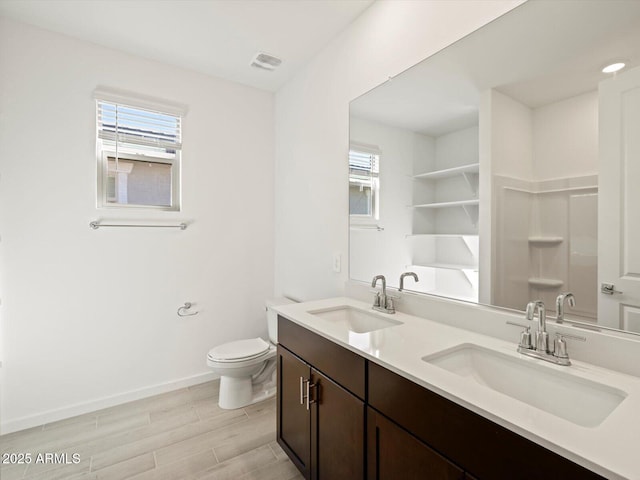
138, 156
364, 185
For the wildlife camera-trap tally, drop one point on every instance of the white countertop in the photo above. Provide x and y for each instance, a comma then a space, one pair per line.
610, 448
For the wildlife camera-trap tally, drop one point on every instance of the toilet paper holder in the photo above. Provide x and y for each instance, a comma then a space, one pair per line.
183, 311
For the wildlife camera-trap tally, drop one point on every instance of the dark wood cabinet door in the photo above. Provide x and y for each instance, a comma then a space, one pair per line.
294, 420
337, 432
393, 453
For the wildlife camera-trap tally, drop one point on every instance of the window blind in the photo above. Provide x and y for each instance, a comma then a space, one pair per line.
363, 167
130, 126
360, 162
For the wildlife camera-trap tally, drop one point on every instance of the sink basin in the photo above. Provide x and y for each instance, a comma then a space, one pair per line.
355, 319
580, 401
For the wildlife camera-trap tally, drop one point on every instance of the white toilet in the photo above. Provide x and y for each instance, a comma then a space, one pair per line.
247, 368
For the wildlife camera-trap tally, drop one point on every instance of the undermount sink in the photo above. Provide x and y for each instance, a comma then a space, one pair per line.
355, 319
580, 401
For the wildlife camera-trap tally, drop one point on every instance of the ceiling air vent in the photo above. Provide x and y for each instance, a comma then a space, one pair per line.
265, 61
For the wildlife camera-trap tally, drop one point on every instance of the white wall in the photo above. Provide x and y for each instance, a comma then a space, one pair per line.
506, 150
565, 138
512, 138
388, 247
89, 317
312, 135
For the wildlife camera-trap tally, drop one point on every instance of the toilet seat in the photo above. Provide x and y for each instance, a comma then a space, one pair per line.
239, 351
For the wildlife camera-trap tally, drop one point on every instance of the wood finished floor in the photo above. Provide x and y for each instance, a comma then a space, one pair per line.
177, 435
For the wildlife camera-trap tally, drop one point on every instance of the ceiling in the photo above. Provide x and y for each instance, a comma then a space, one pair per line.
215, 37
539, 53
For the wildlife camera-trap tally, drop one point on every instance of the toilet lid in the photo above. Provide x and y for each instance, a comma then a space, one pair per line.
239, 350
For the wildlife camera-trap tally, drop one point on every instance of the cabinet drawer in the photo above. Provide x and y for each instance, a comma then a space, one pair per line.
484, 449
341, 365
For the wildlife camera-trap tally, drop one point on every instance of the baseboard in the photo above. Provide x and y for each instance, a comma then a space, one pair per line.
105, 402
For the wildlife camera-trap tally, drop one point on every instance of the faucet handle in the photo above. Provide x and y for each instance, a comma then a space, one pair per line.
525, 336
525, 339
560, 344
516, 324
572, 337
560, 347
390, 306
376, 299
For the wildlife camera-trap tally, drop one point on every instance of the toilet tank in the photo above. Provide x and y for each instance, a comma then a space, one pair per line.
272, 316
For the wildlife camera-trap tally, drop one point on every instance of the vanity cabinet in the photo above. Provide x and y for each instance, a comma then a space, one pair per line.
320, 422
394, 453
366, 422
484, 449
294, 428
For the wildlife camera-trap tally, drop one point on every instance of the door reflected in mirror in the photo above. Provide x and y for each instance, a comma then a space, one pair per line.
495, 156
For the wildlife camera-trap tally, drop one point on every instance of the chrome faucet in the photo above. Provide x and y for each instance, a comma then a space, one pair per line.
382, 302
542, 337
541, 350
406, 274
568, 296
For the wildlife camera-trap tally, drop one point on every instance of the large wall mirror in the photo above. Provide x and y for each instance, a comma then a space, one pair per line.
506, 168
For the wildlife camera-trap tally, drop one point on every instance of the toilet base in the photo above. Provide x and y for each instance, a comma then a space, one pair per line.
240, 392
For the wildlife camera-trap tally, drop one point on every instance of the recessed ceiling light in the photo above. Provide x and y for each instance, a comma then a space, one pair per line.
614, 67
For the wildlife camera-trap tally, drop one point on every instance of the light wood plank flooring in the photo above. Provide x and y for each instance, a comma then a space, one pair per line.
177, 435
